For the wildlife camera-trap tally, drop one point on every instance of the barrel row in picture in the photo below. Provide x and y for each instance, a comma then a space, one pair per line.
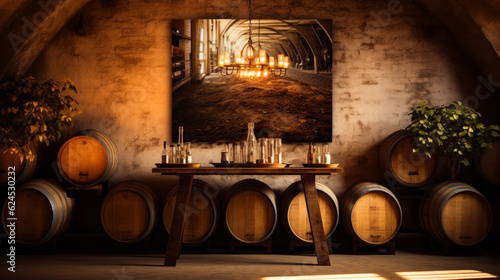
43, 212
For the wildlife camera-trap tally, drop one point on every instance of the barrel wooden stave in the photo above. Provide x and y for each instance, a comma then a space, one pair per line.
406, 167
87, 158
457, 214
202, 213
250, 211
371, 213
24, 170
129, 212
294, 213
43, 212
488, 164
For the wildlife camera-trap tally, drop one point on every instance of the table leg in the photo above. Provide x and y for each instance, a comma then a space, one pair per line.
177, 228
318, 233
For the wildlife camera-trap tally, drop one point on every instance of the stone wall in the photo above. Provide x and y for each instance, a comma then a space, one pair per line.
388, 56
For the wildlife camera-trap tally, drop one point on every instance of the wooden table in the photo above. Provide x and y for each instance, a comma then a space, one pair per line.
307, 175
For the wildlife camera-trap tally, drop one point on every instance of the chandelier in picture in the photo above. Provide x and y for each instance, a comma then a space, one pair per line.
249, 65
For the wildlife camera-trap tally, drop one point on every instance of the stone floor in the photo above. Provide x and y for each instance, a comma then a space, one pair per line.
403, 265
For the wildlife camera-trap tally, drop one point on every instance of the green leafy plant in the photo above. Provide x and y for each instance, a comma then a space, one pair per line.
454, 132
33, 112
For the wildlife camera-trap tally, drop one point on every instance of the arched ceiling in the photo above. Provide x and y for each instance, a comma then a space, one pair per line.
475, 24
279, 36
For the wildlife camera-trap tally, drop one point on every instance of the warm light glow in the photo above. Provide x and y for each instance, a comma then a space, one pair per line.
265, 73
249, 53
221, 60
271, 61
237, 57
227, 58
280, 60
262, 56
414, 275
358, 276
444, 275
286, 62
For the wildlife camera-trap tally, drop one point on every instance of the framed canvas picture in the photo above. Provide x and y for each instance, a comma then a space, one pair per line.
286, 89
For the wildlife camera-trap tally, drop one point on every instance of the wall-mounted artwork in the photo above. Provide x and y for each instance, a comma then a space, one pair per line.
283, 83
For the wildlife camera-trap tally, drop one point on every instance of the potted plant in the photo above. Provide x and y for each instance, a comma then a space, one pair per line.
454, 132
33, 112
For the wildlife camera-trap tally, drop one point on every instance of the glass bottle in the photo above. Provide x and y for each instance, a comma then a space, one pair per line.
251, 144
224, 155
244, 152
327, 158
189, 156
181, 136
317, 154
181, 148
270, 150
178, 154
164, 153
310, 154
237, 152
277, 151
173, 154
230, 152
262, 151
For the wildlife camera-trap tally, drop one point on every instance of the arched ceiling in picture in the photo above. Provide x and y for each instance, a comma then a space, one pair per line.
293, 38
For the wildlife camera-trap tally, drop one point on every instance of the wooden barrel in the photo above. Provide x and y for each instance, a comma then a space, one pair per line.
250, 211
294, 211
488, 163
24, 170
43, 212
371, 213
202, 213
402, 165
88, 158
129, 212
456, 213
